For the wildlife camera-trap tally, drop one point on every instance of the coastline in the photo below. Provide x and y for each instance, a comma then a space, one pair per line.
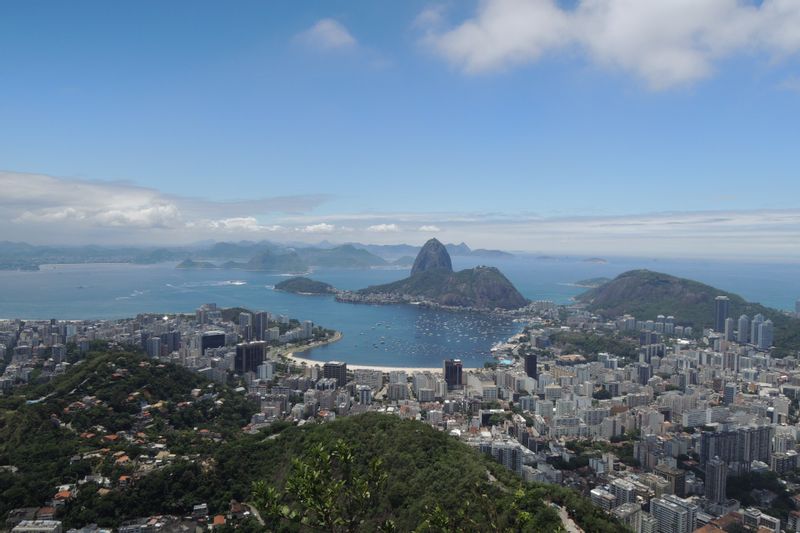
289, 352
311, 362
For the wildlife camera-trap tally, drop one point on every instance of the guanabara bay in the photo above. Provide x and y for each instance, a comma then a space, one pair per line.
417, 266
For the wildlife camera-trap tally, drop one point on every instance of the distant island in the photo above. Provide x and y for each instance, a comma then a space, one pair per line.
189, 263
598, 260
591, 283
433, 280
301, 285
646, 294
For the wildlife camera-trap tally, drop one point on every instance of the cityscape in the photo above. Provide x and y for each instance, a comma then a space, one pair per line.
380, 267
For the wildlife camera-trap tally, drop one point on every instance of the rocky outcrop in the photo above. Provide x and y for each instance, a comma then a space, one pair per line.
433, 256
433, 280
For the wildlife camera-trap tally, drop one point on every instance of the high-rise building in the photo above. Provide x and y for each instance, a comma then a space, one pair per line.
154, 347
730, 329
721, 308
676, 478
453, 370
212, 339
645, 372
673, 515
729, 393
531, 360
765, 335
260, 325
364, 394
336, 370
249, 356
757, 321
716, 480
743, 332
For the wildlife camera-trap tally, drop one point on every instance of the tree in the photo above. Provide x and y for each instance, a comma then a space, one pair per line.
323, 491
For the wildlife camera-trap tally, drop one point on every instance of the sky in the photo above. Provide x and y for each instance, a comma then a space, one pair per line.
667, 127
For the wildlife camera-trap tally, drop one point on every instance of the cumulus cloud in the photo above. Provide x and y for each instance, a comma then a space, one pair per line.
322, 227
327, 34
664, 42
242, 224
430, 229
50, 205
384, 228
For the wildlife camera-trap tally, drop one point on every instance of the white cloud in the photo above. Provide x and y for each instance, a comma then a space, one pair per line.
318, 228
328, 34
242, 224
67, 209
430, 229
664, 42
384, 228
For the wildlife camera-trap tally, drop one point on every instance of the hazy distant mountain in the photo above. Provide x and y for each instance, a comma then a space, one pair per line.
277, 262
345, 256
395, 251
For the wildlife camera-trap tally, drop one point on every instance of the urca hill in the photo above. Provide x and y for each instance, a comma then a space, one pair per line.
432, 280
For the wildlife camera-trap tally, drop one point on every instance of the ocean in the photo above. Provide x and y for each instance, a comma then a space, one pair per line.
397, 335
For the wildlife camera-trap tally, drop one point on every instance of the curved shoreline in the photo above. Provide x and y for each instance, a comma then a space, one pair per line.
300, 361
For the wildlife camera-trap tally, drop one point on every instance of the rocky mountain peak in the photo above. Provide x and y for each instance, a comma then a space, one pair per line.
433, 256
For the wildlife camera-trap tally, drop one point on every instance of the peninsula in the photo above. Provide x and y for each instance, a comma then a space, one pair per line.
433, 281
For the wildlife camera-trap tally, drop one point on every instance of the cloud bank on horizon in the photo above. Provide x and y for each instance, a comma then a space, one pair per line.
46, 210
666, 43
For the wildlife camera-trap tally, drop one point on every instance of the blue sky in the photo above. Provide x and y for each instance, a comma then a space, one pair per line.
344, 116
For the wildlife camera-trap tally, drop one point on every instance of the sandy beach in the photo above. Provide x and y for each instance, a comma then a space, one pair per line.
312, 362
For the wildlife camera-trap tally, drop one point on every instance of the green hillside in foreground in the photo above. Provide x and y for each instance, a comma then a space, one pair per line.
415, 477
646, 294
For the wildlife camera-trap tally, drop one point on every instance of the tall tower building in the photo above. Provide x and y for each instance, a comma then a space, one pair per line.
754, 325
453, 370
531, 360
721, 307
765, 335
337, 370
249, 355
260, 325
729, 393
730, 326
716, 479
743, 331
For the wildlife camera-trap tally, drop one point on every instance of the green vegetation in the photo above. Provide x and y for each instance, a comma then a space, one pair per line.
480, 287
417, 479
592, 283
364, 473
115, 401
304, 286
645, 295
589, 344
745, 488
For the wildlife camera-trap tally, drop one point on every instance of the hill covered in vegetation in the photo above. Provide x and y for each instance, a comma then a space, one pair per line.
110, 416
646, 294
301, 285
141, 438
432, 279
